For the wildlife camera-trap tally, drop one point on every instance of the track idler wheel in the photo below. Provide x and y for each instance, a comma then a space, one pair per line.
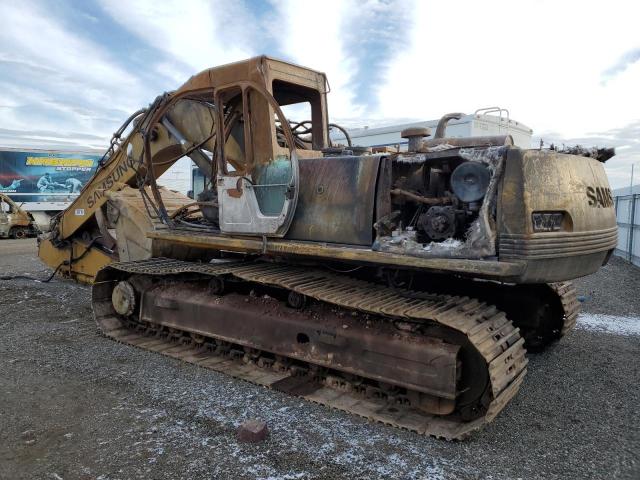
123, 298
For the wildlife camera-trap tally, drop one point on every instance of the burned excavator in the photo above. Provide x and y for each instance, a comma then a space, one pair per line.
403, 286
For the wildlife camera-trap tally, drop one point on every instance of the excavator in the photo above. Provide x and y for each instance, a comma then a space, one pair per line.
402, 286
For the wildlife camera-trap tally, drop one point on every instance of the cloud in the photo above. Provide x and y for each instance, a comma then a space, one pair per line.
378, 33
541, 60
51, 140
628, 59
312, 36
353, 47
56, 80
194, 34
42, 40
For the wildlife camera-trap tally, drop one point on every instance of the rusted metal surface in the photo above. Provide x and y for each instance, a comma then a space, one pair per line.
566, 291
129, 213
164, 239
479, 233
121, 170
344, 342
383, 190
123, 298
415, 136
151, 148
107, 239
442, 123
435, 363
234, 113
83, 271
234, 192
336, 200
557, 245
488, 333
467, 142
421, 199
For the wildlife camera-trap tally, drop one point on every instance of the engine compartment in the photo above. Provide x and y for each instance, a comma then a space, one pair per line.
443, 203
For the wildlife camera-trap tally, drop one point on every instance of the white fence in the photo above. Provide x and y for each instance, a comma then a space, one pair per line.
628, 218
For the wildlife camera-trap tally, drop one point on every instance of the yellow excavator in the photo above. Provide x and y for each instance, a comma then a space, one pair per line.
402, 286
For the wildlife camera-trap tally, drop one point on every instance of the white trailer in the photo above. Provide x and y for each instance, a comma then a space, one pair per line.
485, 121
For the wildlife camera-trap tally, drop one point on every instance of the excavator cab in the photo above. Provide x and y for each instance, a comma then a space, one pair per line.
255, 174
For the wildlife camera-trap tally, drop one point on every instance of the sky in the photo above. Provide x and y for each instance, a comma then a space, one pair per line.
71, 71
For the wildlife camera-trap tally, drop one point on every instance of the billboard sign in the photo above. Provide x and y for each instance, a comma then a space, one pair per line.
44, 176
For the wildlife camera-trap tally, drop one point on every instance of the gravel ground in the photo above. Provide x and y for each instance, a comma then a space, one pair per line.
74, 404
613, 290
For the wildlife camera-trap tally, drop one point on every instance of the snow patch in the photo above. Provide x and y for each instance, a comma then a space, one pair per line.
627, 326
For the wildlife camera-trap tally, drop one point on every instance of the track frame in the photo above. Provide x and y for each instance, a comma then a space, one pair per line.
486, 328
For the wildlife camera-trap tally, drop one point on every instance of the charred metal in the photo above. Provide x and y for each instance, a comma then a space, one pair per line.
351, 276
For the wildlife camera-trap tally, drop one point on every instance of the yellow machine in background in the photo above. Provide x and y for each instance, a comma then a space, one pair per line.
401, 286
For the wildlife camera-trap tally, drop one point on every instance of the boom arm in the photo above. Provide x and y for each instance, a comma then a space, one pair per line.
79, 242
125, 167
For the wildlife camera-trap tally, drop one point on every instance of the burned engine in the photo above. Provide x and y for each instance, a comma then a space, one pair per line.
443, 197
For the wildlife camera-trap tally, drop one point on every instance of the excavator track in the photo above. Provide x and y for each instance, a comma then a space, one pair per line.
570, 305
485, 327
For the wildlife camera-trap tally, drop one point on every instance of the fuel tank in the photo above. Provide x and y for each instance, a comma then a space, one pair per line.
555, 213
336, 202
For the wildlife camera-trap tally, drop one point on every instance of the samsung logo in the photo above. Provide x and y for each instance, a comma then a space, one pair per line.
111, 179
599, 197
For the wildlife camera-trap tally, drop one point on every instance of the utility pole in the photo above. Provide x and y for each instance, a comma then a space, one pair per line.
632, 215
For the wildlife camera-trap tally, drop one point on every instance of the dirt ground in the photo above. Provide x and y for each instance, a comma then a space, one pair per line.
74, 404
